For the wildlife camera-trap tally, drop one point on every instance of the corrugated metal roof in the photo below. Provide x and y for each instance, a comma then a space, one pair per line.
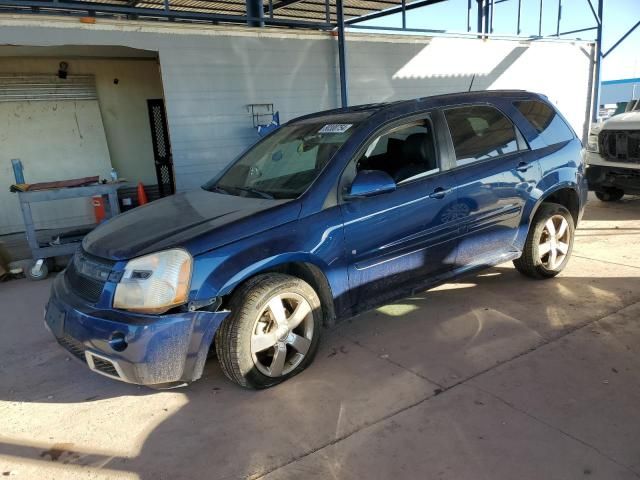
282, 9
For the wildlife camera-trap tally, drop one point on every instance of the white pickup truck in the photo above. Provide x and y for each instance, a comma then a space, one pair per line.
613, 155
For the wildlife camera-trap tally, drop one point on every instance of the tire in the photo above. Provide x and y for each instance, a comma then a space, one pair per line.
256, 347
538, 264
610, 195
34, 275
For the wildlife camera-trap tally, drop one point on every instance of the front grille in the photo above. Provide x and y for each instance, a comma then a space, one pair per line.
73, 346
620, 145
86, 275
105, 366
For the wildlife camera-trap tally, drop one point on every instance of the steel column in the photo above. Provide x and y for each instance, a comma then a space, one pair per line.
255, 10
559, 17
519, 11
342, 61
540, 20
596, 79
481, 17
404, 14
491, 5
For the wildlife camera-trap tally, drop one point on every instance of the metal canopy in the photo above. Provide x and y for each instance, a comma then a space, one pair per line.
294, 13
313, 14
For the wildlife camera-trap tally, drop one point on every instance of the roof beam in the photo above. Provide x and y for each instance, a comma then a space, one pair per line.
281, 4
391, 11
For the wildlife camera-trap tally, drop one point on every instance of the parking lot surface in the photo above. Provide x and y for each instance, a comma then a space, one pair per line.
493, 377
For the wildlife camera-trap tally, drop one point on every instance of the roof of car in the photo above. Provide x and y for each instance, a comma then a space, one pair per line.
360, 112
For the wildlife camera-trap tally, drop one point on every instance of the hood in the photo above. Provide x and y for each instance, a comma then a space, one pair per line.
198, 221
623, 121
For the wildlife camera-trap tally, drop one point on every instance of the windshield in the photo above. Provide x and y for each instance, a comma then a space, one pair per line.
284, 164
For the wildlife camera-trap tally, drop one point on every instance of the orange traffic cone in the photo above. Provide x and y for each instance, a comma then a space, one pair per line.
142, 196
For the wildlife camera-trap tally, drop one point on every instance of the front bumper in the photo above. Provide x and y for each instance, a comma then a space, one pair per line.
601, 177
154, 350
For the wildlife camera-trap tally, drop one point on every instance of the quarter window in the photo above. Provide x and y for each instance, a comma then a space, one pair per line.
545, 120
405, 152
480, 132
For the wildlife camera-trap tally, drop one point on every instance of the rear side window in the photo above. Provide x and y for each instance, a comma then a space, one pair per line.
545, 120
480, 132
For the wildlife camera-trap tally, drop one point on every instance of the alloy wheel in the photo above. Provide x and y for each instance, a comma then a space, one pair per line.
282, 334
554, 242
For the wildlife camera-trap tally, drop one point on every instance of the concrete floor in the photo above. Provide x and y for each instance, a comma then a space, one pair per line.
494, 377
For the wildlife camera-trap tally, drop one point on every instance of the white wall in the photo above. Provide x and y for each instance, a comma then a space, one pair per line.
211, 73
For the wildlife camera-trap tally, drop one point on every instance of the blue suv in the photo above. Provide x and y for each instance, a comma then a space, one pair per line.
331, 214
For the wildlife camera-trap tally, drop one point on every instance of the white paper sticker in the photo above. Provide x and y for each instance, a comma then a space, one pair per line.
336, 128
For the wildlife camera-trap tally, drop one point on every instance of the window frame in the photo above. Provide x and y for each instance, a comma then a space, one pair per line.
539, 138
432, 116
521, 142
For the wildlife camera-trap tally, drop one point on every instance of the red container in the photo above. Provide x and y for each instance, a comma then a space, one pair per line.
99, 208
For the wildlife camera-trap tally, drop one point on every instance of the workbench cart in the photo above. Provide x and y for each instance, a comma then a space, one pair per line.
39, 269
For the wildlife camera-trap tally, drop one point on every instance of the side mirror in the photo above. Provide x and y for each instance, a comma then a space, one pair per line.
369, 183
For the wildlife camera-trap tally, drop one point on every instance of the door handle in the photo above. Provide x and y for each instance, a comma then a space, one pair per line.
523, 166
439, 193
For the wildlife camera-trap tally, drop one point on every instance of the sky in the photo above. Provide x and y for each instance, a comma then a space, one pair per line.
619, 16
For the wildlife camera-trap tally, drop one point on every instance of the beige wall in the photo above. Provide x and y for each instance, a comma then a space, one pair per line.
55, 140
123, 105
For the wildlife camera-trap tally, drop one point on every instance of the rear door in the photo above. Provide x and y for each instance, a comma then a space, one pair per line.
495, 174
402, 238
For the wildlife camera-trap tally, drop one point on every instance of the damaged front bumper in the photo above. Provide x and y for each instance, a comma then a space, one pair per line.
155, 350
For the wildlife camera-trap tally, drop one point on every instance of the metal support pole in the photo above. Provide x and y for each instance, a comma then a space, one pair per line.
540, 20
480, 16
491, 5
271, 9
604, 55
559, 16
327, 12
342, 63
596, 79
404, 14
486, 9
519, 10
255, 11
469, 16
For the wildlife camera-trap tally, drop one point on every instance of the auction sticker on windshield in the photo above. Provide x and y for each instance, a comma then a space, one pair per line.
336, 128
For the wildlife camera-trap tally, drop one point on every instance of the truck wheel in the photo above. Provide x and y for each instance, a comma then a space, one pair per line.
610, 195
549, 242
272, 332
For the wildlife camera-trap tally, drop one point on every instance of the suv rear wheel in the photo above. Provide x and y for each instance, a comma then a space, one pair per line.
610, 195
272, 333
549, 243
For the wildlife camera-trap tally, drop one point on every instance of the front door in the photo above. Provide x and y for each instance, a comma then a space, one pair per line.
494, 175
397, 240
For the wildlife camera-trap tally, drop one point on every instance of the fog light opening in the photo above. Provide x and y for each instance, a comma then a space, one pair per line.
117, 342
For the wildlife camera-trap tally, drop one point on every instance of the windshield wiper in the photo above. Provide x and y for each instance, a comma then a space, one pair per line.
216, 188
255, 191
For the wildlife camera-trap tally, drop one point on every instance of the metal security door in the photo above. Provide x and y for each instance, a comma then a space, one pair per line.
161, 147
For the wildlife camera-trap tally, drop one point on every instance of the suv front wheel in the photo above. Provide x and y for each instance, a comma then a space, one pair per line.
272, 332
549, 243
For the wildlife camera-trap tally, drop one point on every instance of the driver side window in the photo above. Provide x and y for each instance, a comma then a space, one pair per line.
406, 152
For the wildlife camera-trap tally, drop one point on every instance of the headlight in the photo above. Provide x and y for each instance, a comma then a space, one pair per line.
592, 143
155, 283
